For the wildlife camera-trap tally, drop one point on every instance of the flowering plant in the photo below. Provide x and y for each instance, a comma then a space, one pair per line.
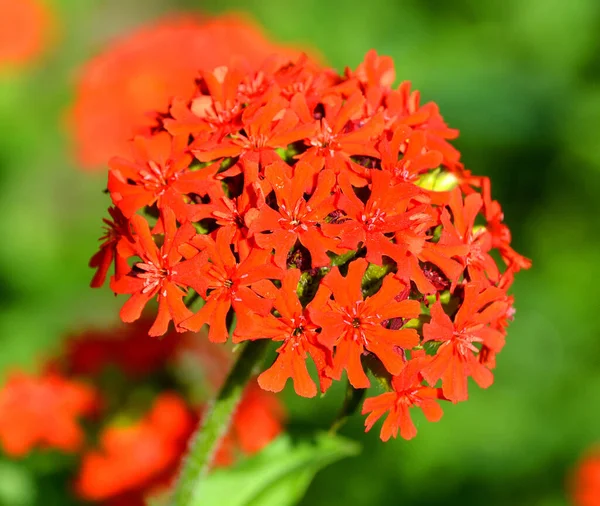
327, 213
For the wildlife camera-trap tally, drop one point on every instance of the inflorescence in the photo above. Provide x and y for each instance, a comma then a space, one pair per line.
329, 213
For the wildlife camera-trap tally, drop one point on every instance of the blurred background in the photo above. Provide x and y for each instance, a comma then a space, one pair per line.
519, 78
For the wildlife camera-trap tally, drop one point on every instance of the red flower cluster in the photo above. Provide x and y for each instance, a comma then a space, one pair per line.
328, 213
140, 400
25, 29
43, 411
585, 483
137, 457
121, 91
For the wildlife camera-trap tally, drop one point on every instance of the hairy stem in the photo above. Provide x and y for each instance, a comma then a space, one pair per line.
206, 441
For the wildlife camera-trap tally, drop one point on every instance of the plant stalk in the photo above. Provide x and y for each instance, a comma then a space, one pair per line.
205, 442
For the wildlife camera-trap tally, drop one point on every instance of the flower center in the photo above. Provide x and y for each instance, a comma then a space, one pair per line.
325, 139
294, 218
409, 397
155, 178
374, 219
153, 275
298, 331
464, 339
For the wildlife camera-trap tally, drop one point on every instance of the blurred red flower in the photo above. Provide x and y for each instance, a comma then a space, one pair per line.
119, 92
132, 459
43, 411
257, 420
126, 347
586, 480
24, 30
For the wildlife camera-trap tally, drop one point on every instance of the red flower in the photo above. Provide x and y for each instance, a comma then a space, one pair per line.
264, 128
157, 275
159, 173
218, 112
406, 156
299, 337
229, 283
376, 70
257, 420
403, 108
132, 459
456, 359
296, 218
417, 248
24, 31
408, 392
368, 224
230, 213
461, 231
355, 325
343, 132
127, 347
302, 78
117, 245
43, 411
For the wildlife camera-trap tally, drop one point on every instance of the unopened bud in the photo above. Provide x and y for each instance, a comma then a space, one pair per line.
438, 180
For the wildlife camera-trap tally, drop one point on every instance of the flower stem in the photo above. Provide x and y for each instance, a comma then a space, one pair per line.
352, 400
205, 442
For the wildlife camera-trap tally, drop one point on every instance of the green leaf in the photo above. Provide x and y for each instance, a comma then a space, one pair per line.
277, 476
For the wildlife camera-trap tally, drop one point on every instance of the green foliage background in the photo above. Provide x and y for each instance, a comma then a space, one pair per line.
518, 78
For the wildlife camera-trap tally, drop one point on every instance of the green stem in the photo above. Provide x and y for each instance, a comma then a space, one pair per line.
207, 439
352, 401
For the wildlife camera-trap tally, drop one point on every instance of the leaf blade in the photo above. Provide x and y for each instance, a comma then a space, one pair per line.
278, 476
